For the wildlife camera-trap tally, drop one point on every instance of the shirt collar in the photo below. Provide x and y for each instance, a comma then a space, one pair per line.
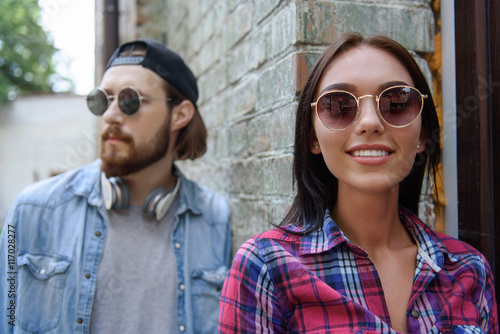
324, 239
430, 247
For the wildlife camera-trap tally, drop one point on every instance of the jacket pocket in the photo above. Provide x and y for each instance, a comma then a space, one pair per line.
42, 278
207, 290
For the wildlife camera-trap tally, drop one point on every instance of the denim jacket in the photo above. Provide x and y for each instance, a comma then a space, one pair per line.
52, 243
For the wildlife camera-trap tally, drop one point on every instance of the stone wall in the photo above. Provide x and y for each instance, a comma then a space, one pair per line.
251, 59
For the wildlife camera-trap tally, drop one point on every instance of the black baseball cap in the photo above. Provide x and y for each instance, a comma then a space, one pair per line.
164, 62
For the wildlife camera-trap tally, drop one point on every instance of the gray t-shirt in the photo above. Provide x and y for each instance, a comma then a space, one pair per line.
136, 280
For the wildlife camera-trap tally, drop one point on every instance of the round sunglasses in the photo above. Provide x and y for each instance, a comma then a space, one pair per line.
129, 100
398, 106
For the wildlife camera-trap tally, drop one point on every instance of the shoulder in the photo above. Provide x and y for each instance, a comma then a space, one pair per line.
49, 211
58, 189
271, 246
471, 273
454, 255
455, 250
456, 247
434, 240
463, 256
460, 260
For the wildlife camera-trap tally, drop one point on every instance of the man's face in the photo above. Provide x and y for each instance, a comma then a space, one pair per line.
131, 143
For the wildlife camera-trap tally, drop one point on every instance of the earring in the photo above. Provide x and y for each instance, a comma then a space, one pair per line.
316, 147
418, 146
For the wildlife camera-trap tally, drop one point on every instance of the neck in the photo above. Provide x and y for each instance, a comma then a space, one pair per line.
370, 221
141, 183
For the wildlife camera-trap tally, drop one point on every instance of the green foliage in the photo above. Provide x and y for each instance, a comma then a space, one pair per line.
25, 52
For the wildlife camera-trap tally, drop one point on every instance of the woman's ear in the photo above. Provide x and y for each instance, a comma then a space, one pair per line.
420, 147
182, 115
421, 142
315, 148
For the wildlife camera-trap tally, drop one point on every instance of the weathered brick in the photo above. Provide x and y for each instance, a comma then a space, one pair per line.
320, 22
238, 24
238, 140
276, 176
207, 26
243, 98
248, 218
259, 140
283, 127
276, 84
302, 63
263, 8
261, 44
239, 62
284, 30
213, 82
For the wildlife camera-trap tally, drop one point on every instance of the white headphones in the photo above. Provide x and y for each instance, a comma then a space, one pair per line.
115, 195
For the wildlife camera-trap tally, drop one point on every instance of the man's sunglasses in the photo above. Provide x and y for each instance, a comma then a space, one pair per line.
129, 100
398, 106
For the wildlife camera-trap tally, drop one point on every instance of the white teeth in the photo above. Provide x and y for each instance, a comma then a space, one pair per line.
370, 153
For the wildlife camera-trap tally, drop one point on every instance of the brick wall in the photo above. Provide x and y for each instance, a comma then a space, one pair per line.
251, 59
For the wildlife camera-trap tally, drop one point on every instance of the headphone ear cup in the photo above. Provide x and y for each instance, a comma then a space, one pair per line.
121, 194
107, 192
152, 201
159, 201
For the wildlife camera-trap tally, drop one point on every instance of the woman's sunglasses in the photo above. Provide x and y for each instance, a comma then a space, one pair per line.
129, 100
398, 106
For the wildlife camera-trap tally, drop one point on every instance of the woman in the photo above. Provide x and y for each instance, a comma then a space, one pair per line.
350, 255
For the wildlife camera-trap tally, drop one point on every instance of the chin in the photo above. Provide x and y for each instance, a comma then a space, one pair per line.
380, 186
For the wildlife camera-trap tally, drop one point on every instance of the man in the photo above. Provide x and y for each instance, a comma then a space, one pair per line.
126, 244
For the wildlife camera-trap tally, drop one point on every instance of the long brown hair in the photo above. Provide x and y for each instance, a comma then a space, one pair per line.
316, 186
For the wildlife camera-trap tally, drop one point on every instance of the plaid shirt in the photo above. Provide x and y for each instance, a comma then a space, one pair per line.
321, 283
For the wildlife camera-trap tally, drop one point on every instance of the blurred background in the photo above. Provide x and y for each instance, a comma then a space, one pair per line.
251, 58
47, 57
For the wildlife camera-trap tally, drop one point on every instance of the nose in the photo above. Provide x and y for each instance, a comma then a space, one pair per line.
368, 117
113, 114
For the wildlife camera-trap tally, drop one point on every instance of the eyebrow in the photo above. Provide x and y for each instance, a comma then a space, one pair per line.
392, 84
350, 87
338, 86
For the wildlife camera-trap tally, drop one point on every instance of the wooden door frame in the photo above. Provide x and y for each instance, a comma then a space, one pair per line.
477, 37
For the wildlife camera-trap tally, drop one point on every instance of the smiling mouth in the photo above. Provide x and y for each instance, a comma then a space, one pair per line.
369, 153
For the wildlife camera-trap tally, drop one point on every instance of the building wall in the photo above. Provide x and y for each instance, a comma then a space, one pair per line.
42, 135
251, 59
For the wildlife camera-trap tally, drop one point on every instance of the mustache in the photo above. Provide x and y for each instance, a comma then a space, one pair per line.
115, 132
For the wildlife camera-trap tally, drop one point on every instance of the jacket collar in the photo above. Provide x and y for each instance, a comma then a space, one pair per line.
188, 196
86, 182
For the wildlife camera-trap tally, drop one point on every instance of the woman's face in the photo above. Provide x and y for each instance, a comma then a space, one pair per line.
369, 156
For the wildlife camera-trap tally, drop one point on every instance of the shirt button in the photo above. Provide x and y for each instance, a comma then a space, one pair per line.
182, 328
79, 320
177, 245
182, 287
98, 234
42, 272
415, 314
87, 276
